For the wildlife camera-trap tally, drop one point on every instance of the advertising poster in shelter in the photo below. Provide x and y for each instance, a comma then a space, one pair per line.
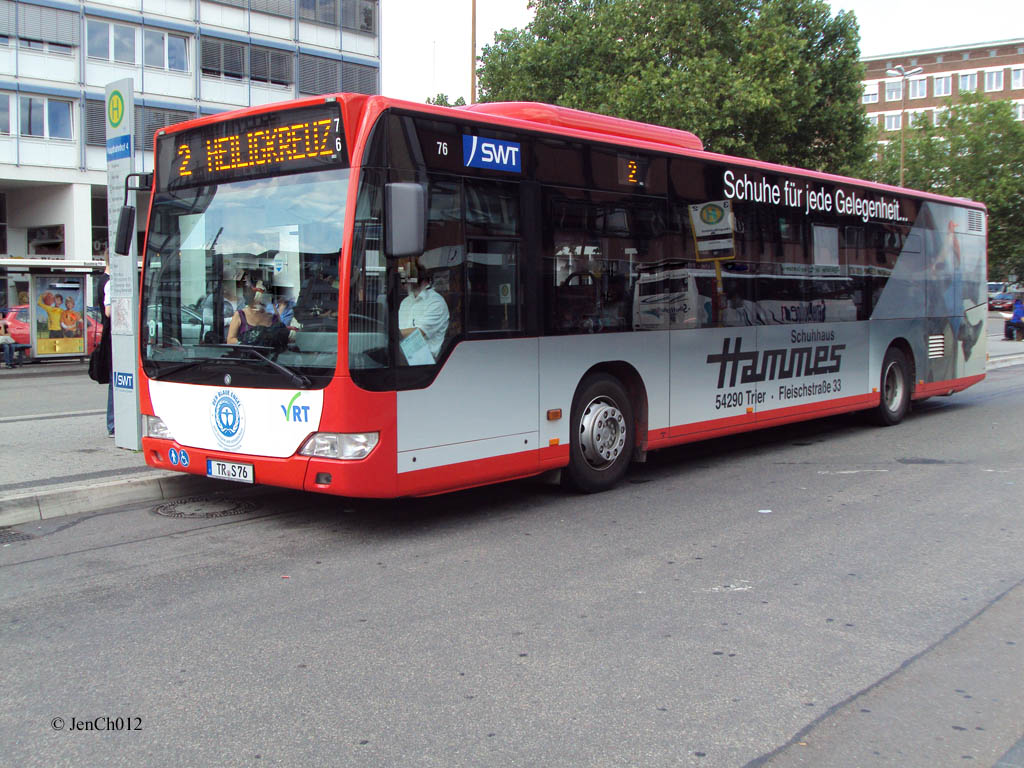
60, 315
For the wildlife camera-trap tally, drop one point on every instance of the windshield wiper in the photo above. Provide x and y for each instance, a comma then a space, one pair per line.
175, 369
298, 379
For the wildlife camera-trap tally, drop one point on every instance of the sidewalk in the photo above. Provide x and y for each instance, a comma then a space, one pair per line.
101, 476
117, 477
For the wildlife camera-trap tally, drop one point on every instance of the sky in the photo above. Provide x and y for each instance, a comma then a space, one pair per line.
426, 46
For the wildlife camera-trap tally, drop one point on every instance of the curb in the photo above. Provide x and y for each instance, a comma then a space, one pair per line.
96, 497
1004, 361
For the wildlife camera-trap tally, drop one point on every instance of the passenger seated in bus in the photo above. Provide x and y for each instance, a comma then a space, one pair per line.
254, 325
422, 316
317, 302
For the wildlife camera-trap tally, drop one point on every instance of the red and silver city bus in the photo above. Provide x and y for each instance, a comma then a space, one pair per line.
374, 298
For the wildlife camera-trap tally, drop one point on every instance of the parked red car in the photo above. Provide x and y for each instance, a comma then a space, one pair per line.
1001, 302
17, 322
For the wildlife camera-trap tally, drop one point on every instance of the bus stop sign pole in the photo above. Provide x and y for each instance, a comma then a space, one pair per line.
124, 276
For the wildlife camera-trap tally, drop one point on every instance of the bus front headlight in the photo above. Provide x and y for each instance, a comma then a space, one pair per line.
331, 445
155, 427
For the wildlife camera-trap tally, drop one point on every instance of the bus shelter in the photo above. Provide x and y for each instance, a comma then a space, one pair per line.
53, 305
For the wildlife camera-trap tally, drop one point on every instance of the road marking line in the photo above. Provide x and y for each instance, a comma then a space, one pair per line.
39, 416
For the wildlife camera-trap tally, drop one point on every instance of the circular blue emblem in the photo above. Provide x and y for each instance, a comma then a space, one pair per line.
227, 419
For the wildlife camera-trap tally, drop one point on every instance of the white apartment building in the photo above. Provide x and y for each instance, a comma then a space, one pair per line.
186, 57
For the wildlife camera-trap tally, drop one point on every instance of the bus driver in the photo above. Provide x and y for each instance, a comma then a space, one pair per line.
422, 315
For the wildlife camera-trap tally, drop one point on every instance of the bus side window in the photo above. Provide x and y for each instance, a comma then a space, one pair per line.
492, 262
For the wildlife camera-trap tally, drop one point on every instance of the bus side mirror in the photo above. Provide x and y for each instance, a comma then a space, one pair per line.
125, 230
406, 219
126, 221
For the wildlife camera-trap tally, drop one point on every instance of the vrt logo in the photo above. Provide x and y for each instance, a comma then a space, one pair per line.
295, 413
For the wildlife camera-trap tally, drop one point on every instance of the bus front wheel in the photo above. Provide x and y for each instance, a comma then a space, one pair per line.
895, 389
602, 434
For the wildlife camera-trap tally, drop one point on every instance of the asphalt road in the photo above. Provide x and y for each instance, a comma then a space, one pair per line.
826, 594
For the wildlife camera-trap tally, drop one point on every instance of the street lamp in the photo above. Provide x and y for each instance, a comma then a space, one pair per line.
903, 74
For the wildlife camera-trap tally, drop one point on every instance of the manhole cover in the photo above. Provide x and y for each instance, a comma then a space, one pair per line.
7, 535
205, 507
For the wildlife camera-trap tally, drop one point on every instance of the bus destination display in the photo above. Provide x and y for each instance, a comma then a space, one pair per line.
632, 170
273, 143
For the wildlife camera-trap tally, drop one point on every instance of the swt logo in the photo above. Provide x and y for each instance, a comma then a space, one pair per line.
493, 154
295, 413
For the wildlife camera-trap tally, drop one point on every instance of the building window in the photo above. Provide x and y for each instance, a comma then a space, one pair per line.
165, 51
268, 65
968, 82
32, 110
994, 81
95, 123
938, 116
966, 56
938, 59
40, 28
892, 122
918, 88
177, 53
97, 39
359, 15
58, 119
894, 91
45, 118
320, 11
942, 85
1018, 111
318, 75
124, 44
222, 58
103, 38
1017, 79
148, 120
5, 114
358, 78
870, 93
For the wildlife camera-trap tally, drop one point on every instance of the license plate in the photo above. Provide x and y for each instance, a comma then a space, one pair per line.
227, 470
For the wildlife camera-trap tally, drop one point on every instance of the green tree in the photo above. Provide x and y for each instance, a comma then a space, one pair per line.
975, 151
776, 80
441, 100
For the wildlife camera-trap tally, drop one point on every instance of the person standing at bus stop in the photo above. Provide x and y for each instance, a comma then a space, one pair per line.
106, 351
1013, 329
7, 342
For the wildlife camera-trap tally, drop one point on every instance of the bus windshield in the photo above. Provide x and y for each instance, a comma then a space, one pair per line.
241, 279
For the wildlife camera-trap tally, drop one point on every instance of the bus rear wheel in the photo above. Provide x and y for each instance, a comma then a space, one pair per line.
895, 389
602, 434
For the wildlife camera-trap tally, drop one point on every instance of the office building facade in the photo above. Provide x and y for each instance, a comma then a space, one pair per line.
187, 58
